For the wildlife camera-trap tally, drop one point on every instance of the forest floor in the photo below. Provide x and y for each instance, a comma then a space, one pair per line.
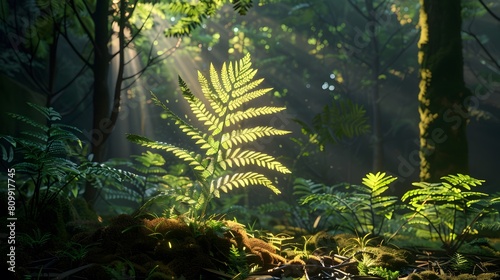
161, 248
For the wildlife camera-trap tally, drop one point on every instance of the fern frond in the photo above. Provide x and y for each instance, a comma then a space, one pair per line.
464, 181
243, 99
240, 158
240, 180
304, 187
149, 170
224, 92
219, 93
246, 86
189, 130
238, 116
48, 112
191, 15
340, 119
242, 6
248, 135
200, 111
237, 71
187, 156
149, 159
125, 194
29, 121
39, 136
378, 183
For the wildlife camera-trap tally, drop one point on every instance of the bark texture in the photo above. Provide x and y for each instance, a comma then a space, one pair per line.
443, 95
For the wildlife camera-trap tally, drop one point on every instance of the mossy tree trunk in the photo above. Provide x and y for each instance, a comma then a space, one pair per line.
443, 96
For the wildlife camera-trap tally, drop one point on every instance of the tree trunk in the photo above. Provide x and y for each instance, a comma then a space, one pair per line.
443, 96
102, 95
378, 145
106, 101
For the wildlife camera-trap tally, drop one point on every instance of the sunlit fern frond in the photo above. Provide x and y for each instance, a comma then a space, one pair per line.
238, 116
238, 158
221, 136
228, 182
454, 189
247, 135
188, 129
201, 112
461, 180
378, 183
191, 158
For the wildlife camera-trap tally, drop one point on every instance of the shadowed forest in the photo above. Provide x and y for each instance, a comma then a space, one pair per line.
250, 139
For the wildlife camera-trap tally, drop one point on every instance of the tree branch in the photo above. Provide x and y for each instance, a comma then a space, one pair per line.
489, 10
482, 47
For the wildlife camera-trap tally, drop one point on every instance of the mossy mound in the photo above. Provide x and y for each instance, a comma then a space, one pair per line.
171, 248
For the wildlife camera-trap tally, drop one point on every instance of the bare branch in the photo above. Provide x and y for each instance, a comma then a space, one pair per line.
367, 17
490, 56
401, 51
151, 61
489, 10
137, 33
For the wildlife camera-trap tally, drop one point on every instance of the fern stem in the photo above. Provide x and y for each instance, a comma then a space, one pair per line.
36, 193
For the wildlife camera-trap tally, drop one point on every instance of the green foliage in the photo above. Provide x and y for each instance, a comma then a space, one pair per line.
242, 6
121, 270
148, 182
338, 120
460, 263
190, 15
382, 272
221, 138
74, 251
48, 162
449, 209
238, 263
361, 209
36, 240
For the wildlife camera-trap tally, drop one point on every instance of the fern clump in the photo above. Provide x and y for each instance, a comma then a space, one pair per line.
221, 138
48, 161
362, 209
449, 210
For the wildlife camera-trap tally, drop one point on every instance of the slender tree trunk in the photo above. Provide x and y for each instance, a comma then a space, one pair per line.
106, 101
101, 96
378, 145
443, 95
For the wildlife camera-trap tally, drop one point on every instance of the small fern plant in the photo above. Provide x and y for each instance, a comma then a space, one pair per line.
47, 158
361, 209
449, 209
220, 155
